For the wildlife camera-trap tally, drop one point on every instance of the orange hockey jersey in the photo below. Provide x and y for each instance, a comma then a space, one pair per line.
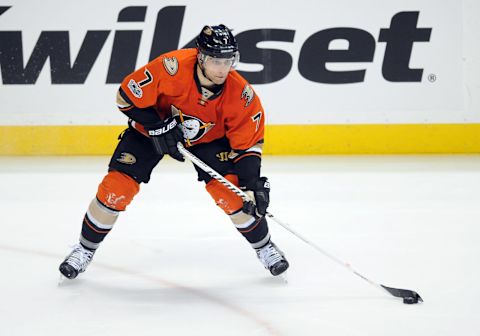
168, 84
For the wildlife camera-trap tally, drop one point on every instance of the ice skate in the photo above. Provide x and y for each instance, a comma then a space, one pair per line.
273, 259
76, 262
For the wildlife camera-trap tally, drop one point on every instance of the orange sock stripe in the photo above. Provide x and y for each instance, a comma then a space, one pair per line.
251, 228
126, 108
91, 226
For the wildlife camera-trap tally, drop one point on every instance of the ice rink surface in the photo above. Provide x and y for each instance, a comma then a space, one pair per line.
175, 265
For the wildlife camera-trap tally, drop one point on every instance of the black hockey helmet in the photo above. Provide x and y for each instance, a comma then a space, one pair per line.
217, 41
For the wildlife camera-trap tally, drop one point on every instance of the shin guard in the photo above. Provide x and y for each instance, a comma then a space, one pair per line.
224, 197
114, 194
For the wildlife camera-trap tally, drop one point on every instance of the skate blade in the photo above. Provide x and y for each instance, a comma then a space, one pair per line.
61, 280
284, 277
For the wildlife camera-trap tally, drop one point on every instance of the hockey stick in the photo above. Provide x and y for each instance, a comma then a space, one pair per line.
408, 296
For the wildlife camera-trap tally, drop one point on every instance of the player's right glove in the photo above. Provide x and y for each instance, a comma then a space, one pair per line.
259, 190
165, 135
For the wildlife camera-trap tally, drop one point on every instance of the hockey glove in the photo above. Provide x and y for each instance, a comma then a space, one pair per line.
259, 191
165, 135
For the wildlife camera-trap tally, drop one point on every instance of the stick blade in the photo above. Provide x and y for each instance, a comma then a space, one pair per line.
403, 293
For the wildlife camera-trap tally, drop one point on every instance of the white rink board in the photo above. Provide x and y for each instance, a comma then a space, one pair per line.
449, 56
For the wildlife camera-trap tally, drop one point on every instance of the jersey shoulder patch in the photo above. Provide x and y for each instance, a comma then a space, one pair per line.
239, 86
171, 65
248, 94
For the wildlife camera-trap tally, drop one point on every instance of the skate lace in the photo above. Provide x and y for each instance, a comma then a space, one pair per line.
79, 258
269, 255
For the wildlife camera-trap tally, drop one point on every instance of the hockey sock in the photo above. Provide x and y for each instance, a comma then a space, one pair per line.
97, 223
253, 228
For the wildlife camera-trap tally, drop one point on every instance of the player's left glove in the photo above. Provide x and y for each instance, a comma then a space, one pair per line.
259, 191
165, 135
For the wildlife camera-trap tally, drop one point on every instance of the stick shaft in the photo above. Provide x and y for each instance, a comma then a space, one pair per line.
202, 165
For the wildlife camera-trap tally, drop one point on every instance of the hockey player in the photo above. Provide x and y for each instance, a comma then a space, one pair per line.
193, 96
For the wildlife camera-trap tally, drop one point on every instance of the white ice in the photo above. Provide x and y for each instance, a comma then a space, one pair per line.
174, 264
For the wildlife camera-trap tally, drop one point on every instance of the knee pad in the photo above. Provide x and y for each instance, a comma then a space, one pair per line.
228, 201
117, 190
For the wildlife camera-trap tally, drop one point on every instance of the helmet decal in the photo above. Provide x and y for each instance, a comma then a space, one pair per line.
217, 41
207, 30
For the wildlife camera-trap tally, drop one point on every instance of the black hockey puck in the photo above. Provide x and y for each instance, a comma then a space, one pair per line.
410, 300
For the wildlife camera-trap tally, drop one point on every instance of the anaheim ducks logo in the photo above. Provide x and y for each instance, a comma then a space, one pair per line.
127, 158
207, 31
193, 128
247, 94
171, 65
113, 199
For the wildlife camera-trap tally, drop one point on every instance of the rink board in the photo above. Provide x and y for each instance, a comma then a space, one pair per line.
348, 77
280, 139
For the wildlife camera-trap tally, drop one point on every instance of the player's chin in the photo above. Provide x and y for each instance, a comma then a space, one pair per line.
219, 80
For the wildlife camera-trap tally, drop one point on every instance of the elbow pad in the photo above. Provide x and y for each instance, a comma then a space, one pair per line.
143, 116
